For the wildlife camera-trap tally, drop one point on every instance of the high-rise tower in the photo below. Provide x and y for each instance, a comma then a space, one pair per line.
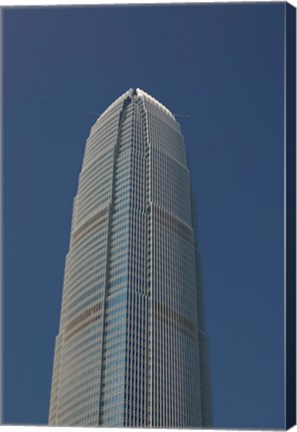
132, 349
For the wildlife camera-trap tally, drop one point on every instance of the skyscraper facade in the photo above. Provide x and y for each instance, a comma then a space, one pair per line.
132, 348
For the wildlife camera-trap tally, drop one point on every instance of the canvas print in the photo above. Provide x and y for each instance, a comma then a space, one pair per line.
149, 216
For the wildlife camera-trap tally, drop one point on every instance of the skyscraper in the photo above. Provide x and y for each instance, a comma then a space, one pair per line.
132, 348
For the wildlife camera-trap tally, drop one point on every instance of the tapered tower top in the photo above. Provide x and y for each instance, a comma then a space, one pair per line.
139, 93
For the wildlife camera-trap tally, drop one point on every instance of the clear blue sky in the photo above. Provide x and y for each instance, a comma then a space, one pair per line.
223, 65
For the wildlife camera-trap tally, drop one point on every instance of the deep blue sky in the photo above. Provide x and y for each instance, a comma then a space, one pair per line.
223, 64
